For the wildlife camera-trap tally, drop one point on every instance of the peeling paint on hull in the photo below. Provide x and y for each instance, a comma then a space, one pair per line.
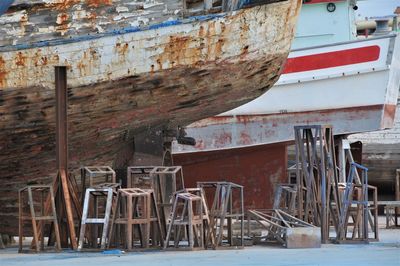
124, 84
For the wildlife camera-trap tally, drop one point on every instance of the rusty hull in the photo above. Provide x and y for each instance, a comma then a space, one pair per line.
229, 132
120, 85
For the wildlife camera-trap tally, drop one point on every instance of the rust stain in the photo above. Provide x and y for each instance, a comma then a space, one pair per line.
62, 18
20, 59
218, 48
159, 64
97, 3
83, 65
3, 73
390, 111
201, 31
174, 50
44, 60
92, 15
39, 60
223, 138
245, 138
121, 49
63, 5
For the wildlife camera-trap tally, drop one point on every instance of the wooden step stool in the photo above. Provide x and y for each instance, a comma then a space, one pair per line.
137, 207
190, 213
105, 191
33, 192
226, 196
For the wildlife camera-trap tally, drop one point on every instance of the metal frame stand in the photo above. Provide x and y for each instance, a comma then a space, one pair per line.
35, 193
91, 215
136, 209
223, 211
190, 214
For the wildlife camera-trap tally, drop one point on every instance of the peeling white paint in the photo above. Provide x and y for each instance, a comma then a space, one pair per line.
121, 9
13, 17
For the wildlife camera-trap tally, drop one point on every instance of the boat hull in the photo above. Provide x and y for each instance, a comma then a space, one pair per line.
351, 86
123, 84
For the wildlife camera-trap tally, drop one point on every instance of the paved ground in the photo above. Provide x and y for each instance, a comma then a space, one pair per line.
386, 252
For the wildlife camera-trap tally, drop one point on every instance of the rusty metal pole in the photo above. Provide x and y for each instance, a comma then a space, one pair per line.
62, 145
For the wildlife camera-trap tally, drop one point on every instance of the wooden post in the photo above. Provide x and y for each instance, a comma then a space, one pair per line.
62, 145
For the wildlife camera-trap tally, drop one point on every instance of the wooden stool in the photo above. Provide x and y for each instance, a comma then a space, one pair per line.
104, 191
226, 195
189, 212
139, 177
42, 192
137, 207
165, 182
92, 176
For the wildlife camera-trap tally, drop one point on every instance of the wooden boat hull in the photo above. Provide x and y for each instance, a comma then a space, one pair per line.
122, 84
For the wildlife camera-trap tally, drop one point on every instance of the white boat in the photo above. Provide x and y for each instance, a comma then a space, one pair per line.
331, 77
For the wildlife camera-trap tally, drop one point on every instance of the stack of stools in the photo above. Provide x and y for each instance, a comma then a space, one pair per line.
98, 205
34, 194
227, 205
190, 215
165, 182
136, 210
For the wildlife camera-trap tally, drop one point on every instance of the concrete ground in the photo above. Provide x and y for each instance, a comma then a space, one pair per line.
386, 252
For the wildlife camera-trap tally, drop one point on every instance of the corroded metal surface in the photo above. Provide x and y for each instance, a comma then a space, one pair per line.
229, 132
124, 83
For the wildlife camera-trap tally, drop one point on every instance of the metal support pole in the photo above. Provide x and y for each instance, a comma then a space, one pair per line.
324, 211
62, 145
397, 190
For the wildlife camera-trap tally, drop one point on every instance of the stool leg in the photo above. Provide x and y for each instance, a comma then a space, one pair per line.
115, 212
129, 223
21, 221
106, 219
33, 216
190, 220
147, 214
95, 227
41, 231
83, 223
166, 242
160, 228
55, 221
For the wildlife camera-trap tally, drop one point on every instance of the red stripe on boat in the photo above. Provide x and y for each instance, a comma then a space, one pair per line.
332, 59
